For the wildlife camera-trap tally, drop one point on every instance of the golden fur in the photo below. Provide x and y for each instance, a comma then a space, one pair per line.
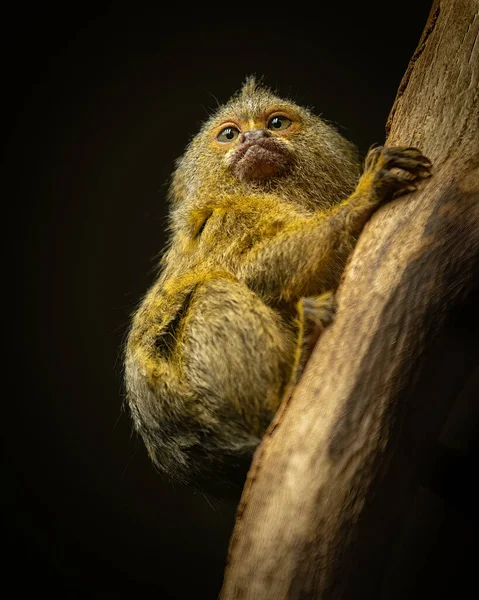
258, 244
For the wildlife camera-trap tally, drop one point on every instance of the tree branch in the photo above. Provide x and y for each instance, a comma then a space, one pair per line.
338, 469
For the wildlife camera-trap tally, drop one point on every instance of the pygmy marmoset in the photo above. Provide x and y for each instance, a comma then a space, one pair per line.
267, 204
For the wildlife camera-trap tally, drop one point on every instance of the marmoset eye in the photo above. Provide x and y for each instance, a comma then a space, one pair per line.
228, 134
279, 122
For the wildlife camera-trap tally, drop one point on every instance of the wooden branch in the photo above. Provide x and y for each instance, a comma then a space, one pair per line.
339, 466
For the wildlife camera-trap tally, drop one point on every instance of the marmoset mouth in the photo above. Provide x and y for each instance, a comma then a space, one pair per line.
260, 159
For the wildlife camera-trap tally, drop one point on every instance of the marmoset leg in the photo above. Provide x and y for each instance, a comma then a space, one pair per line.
315, 313
204, 382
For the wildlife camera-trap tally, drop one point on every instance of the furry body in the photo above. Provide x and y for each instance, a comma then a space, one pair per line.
261, 228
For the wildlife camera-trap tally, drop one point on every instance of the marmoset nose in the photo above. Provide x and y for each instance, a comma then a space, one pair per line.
254, 135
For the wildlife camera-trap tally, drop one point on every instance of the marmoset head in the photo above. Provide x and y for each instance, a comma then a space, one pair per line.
259, 143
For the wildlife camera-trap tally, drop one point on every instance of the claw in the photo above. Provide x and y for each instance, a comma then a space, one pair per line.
411, 165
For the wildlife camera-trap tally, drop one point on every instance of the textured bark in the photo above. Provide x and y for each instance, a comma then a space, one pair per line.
337, 472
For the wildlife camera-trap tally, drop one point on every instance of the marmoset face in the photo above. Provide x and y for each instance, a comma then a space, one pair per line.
259, 143
258, 147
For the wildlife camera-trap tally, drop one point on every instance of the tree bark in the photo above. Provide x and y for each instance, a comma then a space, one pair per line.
338, 469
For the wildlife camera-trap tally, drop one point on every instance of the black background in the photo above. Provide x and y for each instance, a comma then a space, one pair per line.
99, 105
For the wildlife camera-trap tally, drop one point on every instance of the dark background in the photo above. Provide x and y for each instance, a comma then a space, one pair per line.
99, 105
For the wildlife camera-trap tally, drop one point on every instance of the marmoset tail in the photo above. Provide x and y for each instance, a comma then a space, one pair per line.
267, 204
